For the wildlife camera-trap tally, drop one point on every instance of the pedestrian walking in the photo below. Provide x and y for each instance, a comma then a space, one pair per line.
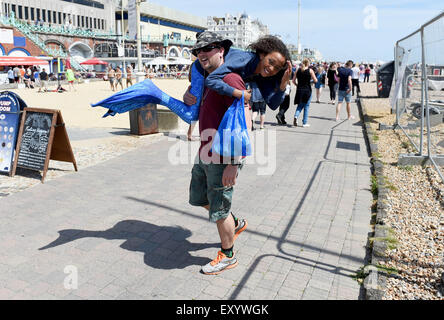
332, 81
258, 105
302, 80
118, 80
280, 116
111, 74
320, 76
129, 76
213, 178
16, 71
71, 78
355, 80
344, 91
43, 76
11, 77
22, 74
36, 76
367, 73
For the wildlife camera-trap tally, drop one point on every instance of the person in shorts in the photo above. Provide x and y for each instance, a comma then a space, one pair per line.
111, 77
43, 76
258, 105
213, 177
119, 76
345, 86
129, 76
71, 78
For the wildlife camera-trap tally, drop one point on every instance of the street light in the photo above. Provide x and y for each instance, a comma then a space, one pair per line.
140, 74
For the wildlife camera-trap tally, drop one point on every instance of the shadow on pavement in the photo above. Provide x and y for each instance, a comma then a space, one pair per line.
156, 242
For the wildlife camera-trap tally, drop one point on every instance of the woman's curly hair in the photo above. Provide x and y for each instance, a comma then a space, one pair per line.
268, 44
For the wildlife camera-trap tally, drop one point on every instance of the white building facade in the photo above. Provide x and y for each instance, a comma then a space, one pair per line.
241, 29
89, 14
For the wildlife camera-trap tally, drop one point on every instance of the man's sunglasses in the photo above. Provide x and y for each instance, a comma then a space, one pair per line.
206, 49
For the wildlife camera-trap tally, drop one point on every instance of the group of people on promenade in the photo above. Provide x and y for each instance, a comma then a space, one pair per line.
341, 79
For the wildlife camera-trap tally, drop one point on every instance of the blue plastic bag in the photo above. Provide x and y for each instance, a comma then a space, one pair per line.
142, 93
232, 139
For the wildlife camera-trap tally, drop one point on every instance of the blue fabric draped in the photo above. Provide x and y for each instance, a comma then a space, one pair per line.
145, 92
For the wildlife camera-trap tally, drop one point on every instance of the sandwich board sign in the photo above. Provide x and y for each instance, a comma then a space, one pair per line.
10, 109
42, 136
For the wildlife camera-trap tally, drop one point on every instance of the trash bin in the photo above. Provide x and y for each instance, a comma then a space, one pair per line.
384, 79
144, 120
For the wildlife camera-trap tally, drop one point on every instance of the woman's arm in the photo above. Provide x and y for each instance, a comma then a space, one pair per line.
235, 61
313, 76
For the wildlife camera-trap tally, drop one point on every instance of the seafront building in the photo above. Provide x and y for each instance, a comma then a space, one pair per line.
313, 55
241, 28
80, 29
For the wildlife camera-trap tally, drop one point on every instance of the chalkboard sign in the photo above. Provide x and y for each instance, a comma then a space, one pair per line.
35, 139
42, 137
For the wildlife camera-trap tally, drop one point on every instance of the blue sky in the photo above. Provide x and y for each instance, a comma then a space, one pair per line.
339, 29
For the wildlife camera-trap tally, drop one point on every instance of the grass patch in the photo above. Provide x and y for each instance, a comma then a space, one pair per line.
387, 270
364, 271
376, 155
406, 168
405, 144
374, 185
390, 239
388, 184
375, 138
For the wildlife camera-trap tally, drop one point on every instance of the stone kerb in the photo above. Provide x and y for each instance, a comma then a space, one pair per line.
375, 281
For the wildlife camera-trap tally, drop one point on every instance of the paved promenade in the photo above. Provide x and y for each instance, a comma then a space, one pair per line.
123, 229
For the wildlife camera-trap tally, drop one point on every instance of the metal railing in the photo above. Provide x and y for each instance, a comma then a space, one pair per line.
27, 30
418, 93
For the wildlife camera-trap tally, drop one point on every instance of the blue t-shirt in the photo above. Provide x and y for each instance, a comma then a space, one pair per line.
343, 74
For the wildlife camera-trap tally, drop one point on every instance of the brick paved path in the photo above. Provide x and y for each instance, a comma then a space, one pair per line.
123, 229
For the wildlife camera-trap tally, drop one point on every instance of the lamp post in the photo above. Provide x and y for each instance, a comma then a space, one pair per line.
140, 73
122, 31
299, 26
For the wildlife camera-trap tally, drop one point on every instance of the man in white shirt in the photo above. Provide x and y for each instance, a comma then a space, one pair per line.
355, 80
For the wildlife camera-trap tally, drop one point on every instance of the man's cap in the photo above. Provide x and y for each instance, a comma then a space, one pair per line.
208, 37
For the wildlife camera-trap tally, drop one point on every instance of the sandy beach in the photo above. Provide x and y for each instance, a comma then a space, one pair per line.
93, 139
75, 105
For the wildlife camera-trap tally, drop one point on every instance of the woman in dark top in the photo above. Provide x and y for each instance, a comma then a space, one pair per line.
303, 92
332, 81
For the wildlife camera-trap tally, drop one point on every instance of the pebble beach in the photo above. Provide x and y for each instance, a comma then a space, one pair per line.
415, 209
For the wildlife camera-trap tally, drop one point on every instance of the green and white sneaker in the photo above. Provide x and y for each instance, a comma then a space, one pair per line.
221, 263
241, 226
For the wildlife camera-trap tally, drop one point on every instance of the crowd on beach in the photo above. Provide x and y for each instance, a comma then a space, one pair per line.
33, 77
116, 75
